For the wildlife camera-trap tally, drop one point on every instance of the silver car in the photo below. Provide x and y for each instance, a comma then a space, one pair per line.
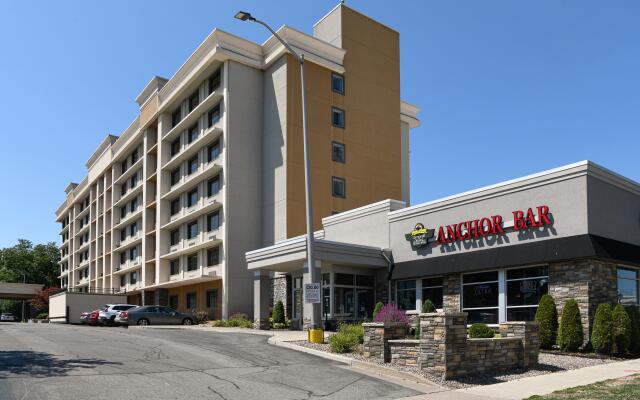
153, 315
7, 317
108, 312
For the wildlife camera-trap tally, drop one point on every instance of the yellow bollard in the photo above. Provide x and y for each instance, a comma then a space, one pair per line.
315, 336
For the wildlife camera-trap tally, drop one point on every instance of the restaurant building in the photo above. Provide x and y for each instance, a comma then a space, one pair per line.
572, 232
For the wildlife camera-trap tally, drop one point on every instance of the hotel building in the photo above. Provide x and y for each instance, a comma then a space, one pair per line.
212, 167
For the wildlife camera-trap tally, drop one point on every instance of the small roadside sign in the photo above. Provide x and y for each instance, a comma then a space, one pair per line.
312, 293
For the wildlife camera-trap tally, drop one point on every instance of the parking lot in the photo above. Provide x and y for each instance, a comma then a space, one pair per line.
49, 361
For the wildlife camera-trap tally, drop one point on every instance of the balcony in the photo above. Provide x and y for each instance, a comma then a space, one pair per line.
204, 172
204, 206
132, 170
208, 136
63, 230
129, 287
187, 246
82, 230
129, 241
130, 217
131, 193
82, 213
128, 266
191, 118
83, 282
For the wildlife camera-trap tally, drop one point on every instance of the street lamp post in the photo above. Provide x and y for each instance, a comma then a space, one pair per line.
24, 281
316, 323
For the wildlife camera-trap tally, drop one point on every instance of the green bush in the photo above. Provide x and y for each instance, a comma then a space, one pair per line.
621, 330
547, 319
478, 331
43, 315
355, 330
602, 334
634, 316
428, 306
219, 323
343, 342
570, 331
277, 314
199, 317
235, 321
377, 308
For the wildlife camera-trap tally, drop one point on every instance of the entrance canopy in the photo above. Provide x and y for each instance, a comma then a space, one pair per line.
290, 255
18, 291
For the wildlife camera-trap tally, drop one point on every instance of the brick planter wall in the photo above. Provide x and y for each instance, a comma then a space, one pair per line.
404, 352
376, 338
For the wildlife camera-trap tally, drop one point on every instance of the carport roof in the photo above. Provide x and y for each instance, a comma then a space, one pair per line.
289, 255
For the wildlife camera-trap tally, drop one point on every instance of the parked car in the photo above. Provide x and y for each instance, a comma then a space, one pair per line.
153, 315
7, 317
108, 312
90, 317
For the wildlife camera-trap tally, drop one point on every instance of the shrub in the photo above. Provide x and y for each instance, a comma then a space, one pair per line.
239, 316
238, 320
634, 316
343, 342
220, 323
547, 319
355, 330
390, 313
602, 335
428, 306
278, 313
43, 315
570, 333
377, 309
478, 331
621, 330
199, 317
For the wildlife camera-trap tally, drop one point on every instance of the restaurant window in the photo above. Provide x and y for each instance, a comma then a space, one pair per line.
194, 100
192, 262
175, 147
175, 206
213, 116
192, 134
193, 165
191, 301
525, 287
338, 187
354, 296
176, 116
337, 152
406, 294
175, 176
337, 83
192, 230
213, 221
628, 286
337, 117
173, 302
174, 267
213, 186
175, 237
432, 290
192, 198
213, 151
213, 256
480, 297
212, 298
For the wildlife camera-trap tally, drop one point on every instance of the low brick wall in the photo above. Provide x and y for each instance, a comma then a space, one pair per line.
484, 355
404, 351
377, 336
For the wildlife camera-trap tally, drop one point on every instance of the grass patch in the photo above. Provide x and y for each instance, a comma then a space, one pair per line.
626, 388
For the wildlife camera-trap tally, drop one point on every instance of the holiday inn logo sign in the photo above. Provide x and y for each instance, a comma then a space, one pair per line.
476, 228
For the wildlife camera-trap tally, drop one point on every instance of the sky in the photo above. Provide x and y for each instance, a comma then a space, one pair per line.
506, 88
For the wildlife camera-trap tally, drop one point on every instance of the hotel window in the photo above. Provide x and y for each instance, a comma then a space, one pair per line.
124, 188
213, 221
337, 152
175, 176
134, 156
192, 262
133, 229
337, 117
176, 116
432, 290
480, 297
193, 165
134, 180
212, 298
173, 302
214, 81
192, 230
123, 280
525, 287
406, 294
192, 134
191, 301
337, 83
213, 186
213, 151
123, 212
175, 206
213, 116
213, 256
175, 147
123, 234
123, 167
174, 267
192, 198
133, 253
123, 258
175, 237
628, 286
338, 187
133, 205
134, 277
194, 100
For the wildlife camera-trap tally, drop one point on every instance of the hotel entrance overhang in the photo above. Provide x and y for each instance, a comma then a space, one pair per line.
571, 232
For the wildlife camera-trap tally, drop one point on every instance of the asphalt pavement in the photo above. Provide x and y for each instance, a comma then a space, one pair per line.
49, 361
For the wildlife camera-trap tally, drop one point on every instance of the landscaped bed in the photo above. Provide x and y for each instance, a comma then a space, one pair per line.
548, 362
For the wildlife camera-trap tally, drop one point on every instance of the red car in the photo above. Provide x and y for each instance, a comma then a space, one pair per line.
90, 317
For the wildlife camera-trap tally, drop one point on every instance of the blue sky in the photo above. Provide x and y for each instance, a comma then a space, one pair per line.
507, 88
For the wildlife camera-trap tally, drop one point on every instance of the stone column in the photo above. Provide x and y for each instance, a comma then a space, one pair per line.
529, 333
373, 345
443, 342
261, 292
